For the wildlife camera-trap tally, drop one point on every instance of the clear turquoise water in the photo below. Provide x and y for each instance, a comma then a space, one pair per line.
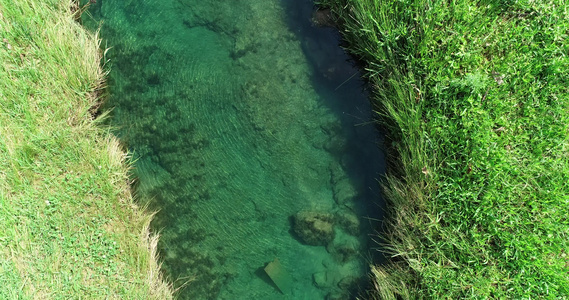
240, 115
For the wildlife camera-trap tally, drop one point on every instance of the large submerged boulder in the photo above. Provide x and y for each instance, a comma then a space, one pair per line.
314, 228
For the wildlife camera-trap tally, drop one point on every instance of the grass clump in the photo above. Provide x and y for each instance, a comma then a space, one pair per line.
69, 228
474, 98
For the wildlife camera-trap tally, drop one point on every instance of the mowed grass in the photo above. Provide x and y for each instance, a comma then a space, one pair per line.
474, 98
68, 225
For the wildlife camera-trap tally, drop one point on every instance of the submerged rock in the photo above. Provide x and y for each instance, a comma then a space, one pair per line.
338, 295
344, 193
348, 282
323, 18
329, 279
342, 187
314, 228
348, 221
321, 280
344, 248
343, 252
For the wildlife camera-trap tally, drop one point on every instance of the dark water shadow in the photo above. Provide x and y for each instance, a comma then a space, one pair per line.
337, 79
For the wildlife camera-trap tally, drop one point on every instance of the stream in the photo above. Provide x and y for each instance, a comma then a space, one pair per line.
252, 137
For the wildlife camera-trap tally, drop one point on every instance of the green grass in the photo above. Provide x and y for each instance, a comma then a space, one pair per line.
474, 99
69, 228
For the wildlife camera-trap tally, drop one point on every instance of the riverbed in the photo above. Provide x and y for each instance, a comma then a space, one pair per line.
252, 138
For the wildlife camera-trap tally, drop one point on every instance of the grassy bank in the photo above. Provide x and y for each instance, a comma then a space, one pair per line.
473, 96
68, 225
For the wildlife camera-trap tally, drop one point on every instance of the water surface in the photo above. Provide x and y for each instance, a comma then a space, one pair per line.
241, 115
